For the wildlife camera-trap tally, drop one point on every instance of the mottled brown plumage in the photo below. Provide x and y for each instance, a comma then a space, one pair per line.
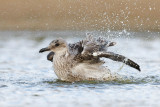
81, 60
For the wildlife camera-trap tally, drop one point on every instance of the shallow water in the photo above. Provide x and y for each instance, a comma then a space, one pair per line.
27, 78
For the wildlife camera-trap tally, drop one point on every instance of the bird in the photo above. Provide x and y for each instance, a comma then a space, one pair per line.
82, 60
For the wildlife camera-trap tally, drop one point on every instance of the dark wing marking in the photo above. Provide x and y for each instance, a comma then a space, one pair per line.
50, 56
84, 50
119, 58
109, 55
92, 44
89, 45
75, 48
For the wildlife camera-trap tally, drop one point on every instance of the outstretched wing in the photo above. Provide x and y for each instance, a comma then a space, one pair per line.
92, 44
109, 55
92, 49
89, 45
117, 57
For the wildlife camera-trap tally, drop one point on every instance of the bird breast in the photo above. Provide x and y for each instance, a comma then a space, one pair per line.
62, 65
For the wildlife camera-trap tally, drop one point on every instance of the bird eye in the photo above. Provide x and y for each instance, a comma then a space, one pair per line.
57, 44
56, 41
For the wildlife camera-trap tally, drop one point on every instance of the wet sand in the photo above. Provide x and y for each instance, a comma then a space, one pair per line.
132, 15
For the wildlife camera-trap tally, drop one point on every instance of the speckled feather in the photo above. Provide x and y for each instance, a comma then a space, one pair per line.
81, 60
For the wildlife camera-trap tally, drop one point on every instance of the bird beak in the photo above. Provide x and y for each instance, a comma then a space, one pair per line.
44, 49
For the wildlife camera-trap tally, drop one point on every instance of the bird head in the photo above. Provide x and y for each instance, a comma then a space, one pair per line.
55, 46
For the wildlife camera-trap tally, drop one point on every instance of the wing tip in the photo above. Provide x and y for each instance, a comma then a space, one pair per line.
138, 68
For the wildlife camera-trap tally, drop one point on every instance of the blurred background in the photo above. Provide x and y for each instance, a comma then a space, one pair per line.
27, 79
132, 15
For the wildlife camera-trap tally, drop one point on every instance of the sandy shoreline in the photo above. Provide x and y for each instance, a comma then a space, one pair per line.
104, 15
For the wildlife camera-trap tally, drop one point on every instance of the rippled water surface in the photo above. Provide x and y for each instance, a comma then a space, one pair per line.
27, 78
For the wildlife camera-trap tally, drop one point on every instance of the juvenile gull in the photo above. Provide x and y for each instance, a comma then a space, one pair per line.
81, 61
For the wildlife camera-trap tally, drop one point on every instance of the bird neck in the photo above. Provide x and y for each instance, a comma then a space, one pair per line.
62, 51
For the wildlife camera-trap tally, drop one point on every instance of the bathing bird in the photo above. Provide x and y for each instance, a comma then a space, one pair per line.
82, 61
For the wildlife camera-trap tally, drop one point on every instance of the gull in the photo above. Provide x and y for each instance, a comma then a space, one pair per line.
82, 61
